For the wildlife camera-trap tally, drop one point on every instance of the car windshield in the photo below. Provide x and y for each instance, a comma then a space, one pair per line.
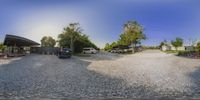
99, 49
87, 49
65, 49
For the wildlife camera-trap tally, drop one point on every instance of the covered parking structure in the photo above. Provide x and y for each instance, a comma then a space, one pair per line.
18, 46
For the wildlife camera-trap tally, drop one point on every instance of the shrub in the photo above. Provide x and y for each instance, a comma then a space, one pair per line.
2, 47
187, 53
198, 46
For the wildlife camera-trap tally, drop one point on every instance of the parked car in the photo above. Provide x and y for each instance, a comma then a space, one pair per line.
120, 49
113, 51
64, 53
89, 50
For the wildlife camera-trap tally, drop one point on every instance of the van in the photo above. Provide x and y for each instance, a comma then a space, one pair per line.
89, 50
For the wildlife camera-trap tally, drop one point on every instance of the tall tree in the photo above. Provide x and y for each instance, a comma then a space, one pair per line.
198, 46
71, 32
163, 43
107, 46
133, 34
73, 38
177, 43
2, 47
48, 41
113, 44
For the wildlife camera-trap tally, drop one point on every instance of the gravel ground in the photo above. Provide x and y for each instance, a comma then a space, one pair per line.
148, 74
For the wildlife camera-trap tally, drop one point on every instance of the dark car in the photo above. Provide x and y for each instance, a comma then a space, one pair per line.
64, 53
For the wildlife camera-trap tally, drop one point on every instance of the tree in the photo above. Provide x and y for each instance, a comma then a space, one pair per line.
163, 43
107, 46
110, 46
48, 41
198, 46
73, 38
2, 47
72, 32
82, 42
113, 44
177, 43
133, 34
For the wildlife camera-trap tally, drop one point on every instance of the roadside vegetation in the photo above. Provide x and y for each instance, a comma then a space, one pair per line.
151, 47
163, 43
71, 37
2, 47
198, 47
132, 35
48, 41
177, 43
194, 53
177, 47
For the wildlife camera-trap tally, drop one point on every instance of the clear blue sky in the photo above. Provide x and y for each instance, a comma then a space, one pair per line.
102, 20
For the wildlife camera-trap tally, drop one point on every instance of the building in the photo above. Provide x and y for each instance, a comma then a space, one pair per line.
170, 47
165, 48
189, 48
18, 46
45, 50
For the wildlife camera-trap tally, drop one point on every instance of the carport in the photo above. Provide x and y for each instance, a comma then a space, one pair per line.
18, 46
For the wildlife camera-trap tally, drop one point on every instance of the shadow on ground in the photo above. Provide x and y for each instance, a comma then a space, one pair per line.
195, 79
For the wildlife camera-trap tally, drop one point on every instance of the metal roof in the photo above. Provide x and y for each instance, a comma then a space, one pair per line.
12, 40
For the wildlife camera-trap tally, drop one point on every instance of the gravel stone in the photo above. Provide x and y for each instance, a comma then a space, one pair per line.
148, 74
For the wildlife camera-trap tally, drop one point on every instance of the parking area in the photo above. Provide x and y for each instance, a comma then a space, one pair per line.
142, 75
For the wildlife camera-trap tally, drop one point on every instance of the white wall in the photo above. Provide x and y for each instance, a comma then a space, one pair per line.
164, 48
181, 48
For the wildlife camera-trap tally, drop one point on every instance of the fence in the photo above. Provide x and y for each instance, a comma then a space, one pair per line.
45, 50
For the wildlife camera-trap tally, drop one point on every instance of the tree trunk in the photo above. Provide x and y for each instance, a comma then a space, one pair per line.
72, 45
133, 49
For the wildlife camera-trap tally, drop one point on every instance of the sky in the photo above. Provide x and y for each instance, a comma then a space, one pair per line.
101, 20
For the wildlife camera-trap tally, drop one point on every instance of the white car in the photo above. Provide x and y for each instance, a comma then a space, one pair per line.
89, 50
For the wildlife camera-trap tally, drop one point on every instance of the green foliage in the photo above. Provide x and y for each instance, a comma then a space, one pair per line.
72, 37
186, 53
110, 46
82, 42
198, 46
70, 34
107, 47
133, 33
177, 43
48, 41
2, 47
163, 43
150, 47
